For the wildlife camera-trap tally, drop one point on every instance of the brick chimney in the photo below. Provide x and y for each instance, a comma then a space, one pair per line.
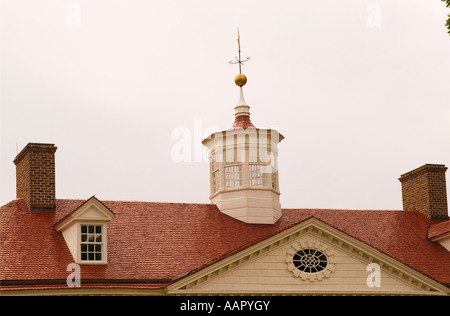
424, 190
35, 176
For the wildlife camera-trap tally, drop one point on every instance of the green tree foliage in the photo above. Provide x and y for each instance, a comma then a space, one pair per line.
448, 20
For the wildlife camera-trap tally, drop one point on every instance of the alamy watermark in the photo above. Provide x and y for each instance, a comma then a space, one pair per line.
73, 19
189, 147
256, 145
374, 278
374, 17
74, 278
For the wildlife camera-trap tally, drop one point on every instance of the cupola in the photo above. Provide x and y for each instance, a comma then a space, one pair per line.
244, 166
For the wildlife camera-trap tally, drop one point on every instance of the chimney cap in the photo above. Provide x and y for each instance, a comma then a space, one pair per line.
434, 168
30, 146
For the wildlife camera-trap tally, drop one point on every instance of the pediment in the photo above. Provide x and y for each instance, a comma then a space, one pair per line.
352, 268
91, 210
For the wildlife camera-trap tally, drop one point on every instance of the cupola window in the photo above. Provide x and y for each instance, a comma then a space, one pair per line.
215, 181
233, 176
255, 175
274, 179
214, 173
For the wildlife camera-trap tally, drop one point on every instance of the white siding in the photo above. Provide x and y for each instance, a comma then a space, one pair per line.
270, 273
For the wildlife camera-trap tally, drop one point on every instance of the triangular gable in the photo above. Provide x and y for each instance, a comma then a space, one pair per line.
267, 267
91, 210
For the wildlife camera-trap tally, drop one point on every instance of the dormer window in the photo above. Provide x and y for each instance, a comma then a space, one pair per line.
85, 232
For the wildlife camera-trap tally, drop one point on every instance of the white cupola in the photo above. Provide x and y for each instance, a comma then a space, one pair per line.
244, 167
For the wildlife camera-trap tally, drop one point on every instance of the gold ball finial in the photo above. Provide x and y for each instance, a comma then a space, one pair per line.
240, 80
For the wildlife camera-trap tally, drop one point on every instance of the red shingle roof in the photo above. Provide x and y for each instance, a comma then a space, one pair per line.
242, 121
439, 229
155, 243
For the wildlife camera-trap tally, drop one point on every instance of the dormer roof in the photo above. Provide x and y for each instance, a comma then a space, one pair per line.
91, 210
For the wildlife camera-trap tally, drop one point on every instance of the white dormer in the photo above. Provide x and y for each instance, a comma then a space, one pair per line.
85, 232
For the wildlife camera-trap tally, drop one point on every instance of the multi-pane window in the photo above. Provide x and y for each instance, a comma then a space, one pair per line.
91, 242
214, 164
215, 180
255, 174
232, 176
274, 179
214, 173
310, 260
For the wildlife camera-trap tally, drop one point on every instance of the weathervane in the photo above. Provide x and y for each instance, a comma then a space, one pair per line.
239, 60
240, 79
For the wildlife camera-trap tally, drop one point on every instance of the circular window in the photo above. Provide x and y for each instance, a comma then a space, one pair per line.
310, 260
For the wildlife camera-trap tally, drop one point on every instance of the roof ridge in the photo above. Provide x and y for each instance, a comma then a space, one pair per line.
207, 203
136, 201
343, 209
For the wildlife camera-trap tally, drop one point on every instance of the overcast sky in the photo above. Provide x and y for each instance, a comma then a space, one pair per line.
360, 90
